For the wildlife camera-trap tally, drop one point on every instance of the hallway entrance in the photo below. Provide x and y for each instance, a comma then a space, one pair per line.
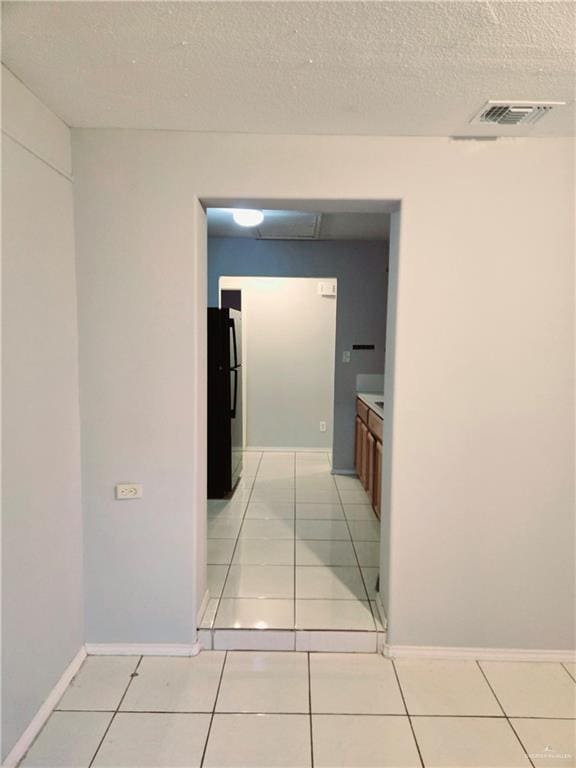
294, 551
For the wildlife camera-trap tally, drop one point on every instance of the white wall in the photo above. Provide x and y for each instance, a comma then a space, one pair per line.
289, 334
42, 622
482, 456
140, 417
389, 392
197, 540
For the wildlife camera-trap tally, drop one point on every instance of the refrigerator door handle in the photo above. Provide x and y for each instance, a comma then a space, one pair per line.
233, 329
235, 401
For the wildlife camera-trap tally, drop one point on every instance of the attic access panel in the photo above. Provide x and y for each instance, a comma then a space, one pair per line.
288, 225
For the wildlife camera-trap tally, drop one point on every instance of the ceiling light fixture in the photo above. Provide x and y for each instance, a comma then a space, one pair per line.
246, 217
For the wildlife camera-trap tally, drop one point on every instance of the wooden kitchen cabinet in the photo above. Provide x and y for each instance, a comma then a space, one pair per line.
375, 425
363, 467
358, 446
377, 495
368, 452
369, 485
362, 410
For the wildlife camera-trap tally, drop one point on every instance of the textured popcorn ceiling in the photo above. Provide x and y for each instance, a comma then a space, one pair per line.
382, 68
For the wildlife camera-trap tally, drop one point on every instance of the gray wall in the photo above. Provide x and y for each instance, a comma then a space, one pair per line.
42, 623
360, 267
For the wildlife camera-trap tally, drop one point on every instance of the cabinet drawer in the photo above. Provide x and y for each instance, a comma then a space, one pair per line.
375, 425
362, 410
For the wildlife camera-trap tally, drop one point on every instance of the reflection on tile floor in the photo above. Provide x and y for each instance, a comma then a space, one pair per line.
267, 709
294, 548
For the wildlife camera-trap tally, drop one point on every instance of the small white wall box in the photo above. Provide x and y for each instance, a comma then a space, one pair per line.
125, 491
327, 289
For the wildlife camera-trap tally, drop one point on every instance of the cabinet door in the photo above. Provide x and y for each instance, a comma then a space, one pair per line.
377, 492
369, 485
362, 410
361, 439
358, 448
375, 425
365, 455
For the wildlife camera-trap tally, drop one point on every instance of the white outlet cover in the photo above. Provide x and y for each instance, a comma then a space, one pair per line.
346, 356
327, 289
322, 426
126, 491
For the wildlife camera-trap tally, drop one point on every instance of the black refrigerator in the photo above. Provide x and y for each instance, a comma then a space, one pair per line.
225, 429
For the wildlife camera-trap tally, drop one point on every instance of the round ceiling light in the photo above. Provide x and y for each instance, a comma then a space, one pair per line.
246, 217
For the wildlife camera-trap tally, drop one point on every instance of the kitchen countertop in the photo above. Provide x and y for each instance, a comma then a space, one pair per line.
370, 400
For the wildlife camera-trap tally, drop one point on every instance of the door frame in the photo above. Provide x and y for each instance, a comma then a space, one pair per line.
391, 206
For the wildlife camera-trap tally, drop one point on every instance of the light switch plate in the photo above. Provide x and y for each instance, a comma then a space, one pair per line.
346, 356
128, 491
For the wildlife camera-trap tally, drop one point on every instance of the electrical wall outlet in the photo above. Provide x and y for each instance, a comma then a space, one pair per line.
128, 491
327, 289
322, 426
346, 356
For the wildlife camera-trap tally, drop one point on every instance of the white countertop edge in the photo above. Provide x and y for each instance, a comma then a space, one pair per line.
370, 399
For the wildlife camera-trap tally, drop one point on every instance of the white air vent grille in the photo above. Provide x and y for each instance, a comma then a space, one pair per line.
514, 112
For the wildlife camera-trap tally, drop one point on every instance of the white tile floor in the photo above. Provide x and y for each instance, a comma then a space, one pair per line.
295, 549
258, 709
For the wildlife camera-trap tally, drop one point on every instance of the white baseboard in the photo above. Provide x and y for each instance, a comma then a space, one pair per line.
142, 649
25, 741
381, 611
477, 654
90, 649
203, 607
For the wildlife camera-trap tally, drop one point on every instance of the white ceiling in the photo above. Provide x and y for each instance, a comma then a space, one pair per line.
383, 68
302, 225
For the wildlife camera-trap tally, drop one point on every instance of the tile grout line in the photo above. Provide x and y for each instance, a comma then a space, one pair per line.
489, 684
407, 713
331, 567
213, 713
304, 714
356, 554
115, 712
294, 554
565, 668
289, 599
305, 565
213, 628
310, 712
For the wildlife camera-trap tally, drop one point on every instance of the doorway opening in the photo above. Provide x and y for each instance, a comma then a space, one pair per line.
293, 545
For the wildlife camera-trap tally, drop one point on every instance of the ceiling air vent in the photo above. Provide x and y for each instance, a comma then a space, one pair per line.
514, 112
